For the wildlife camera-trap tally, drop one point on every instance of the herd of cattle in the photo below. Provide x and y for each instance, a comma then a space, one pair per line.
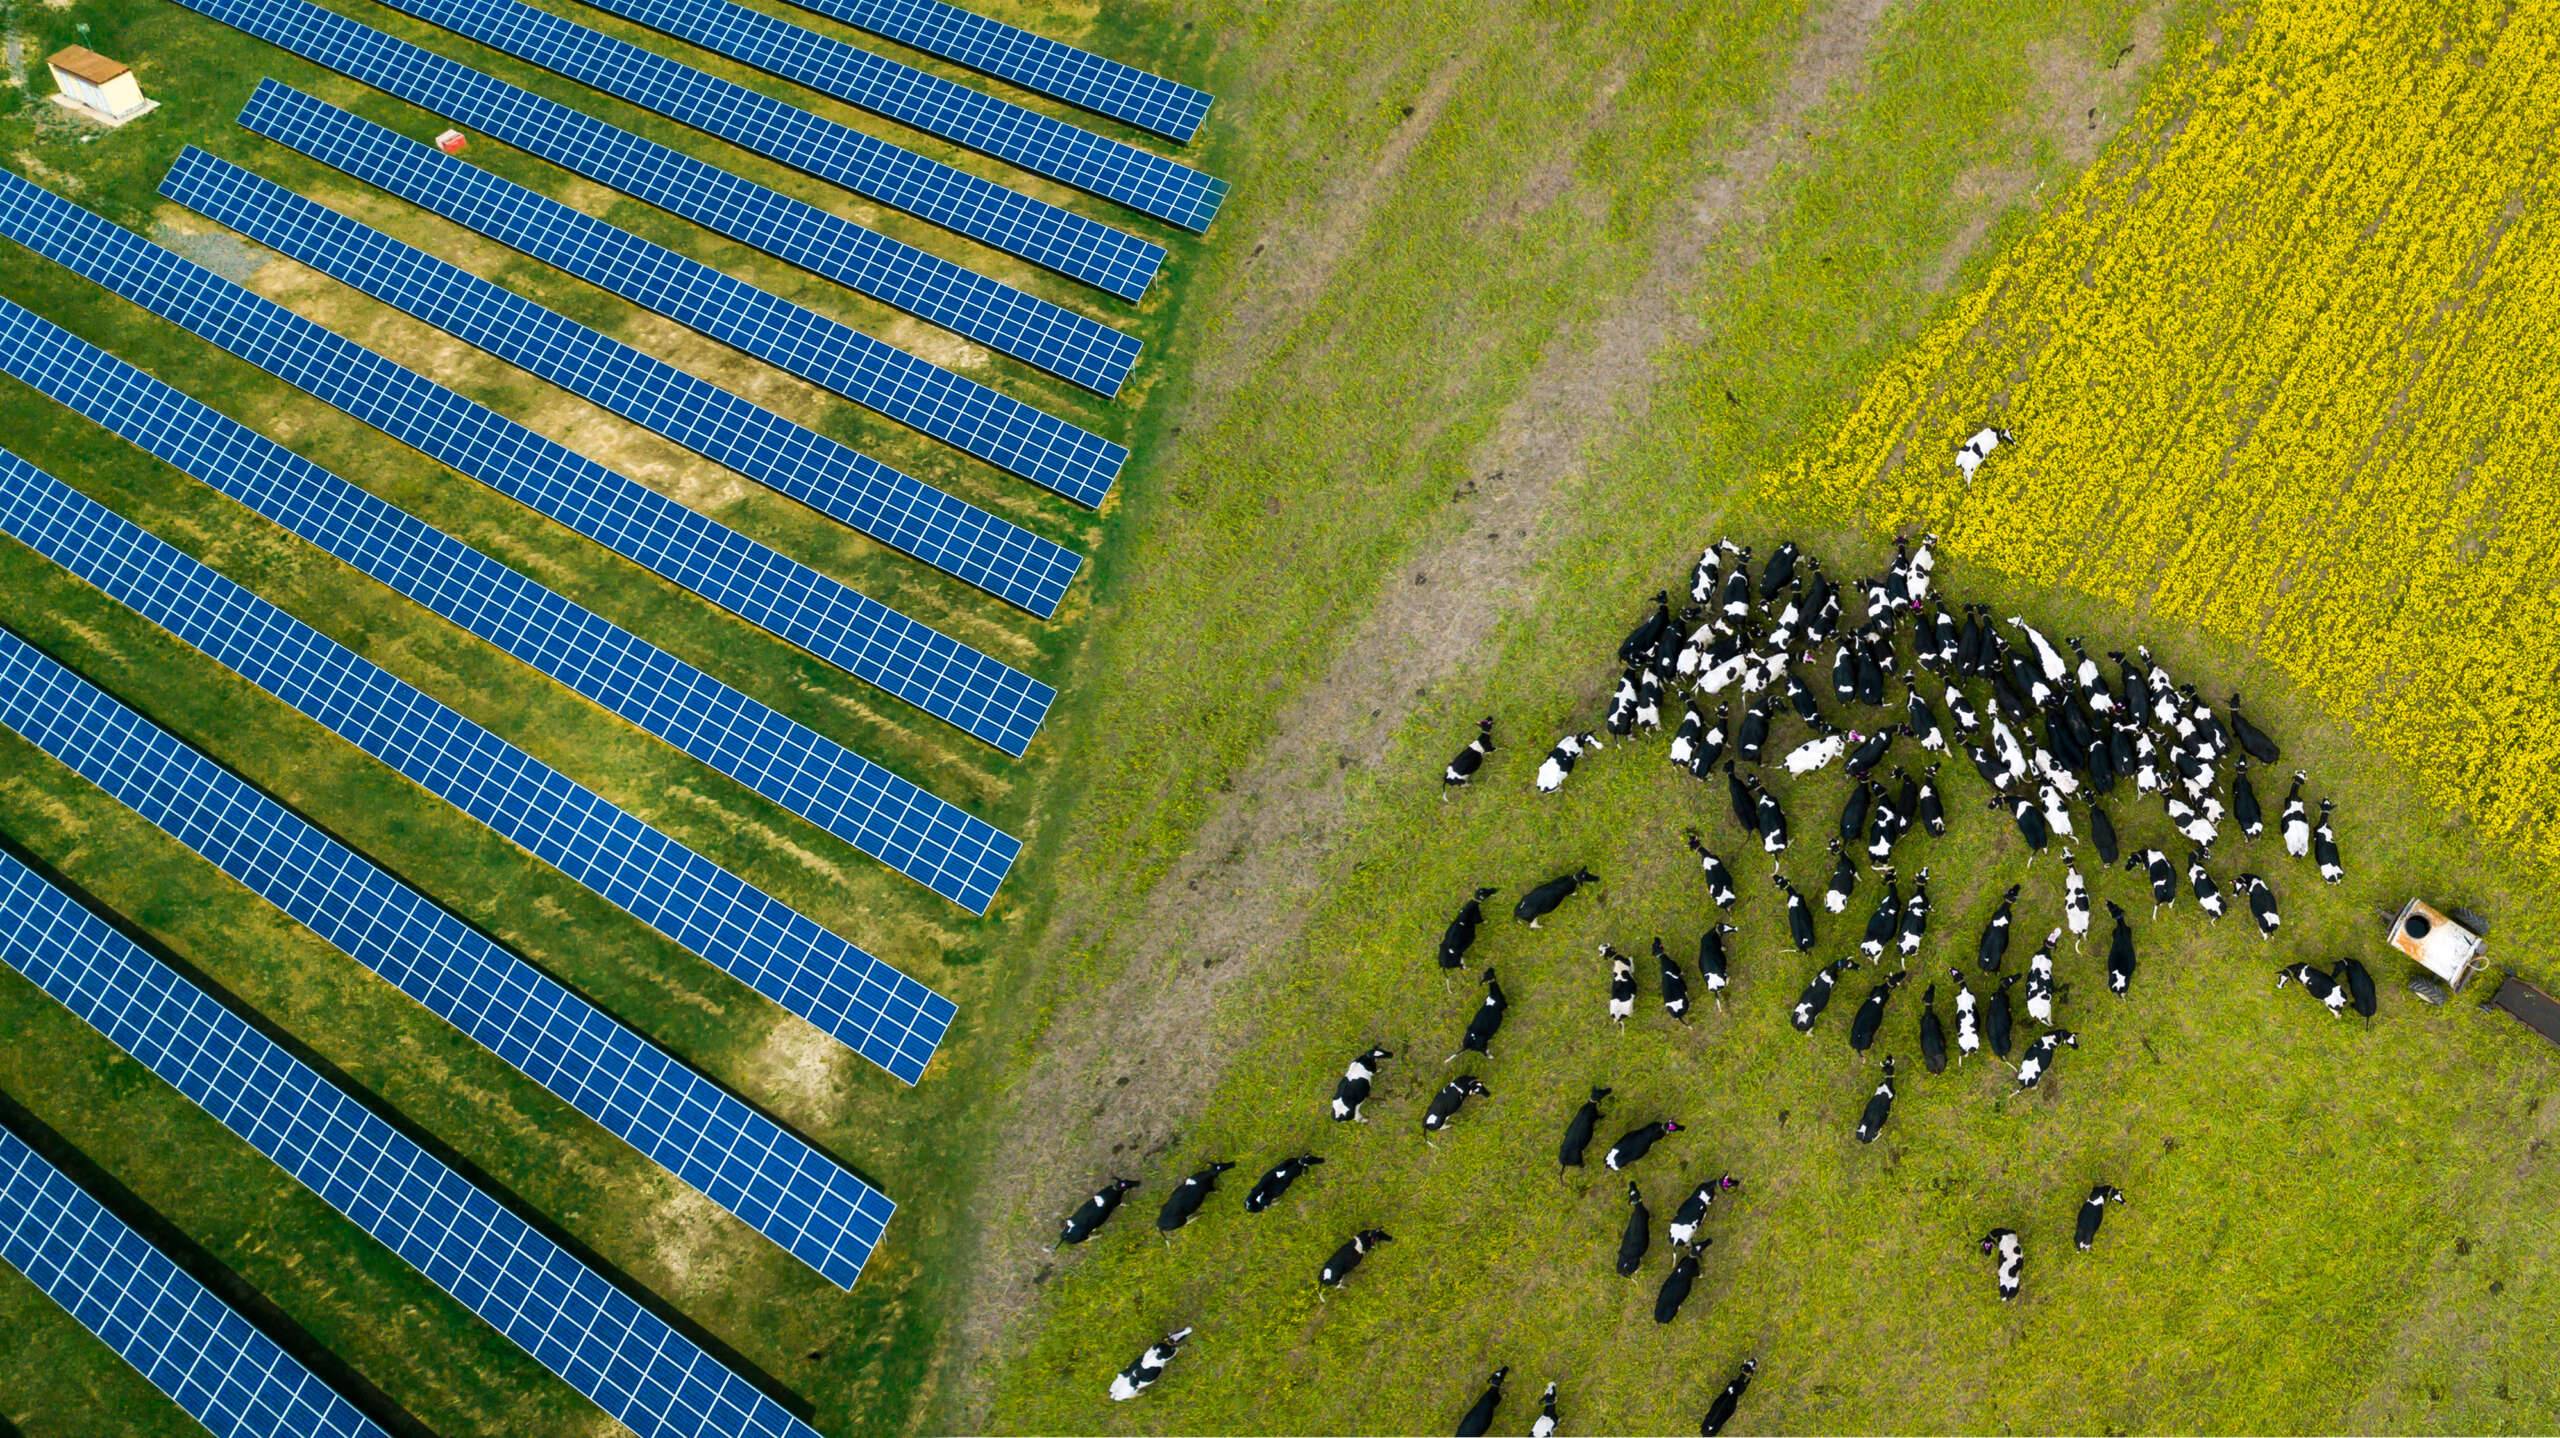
2054, 738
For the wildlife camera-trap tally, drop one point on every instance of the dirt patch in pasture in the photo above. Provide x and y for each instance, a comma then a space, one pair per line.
2081, 93
1237, 900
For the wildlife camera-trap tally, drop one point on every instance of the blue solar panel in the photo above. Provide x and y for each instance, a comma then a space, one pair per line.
886, 1016
723, 566
600, 1340
835, 480
1150, 184
1035, 62
741, 1160
1035, 230
997, 315
211, 1362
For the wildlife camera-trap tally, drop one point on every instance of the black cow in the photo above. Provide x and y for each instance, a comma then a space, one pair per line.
2253, 740
1636, 1142
2119, 952
1348, 1256
1996, 1017
1870, 1015
1268, 1188
1676, 1285
1577, 1132
2093, 1213
1544, 899
1640, 641
1463, 767
1094, 1212
1712, 963
2244, 802
1478, 1420
1460, 936
1181, 1205
1995, 935
1487, 1020
1637, 1236
1353, 1088
2102, 834
1675, 984
1799, 914
1720, 1412
1933, 1035
2358, 984
1879, 1105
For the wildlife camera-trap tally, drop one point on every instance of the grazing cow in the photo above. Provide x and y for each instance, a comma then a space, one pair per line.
1693, 1209
2075, 900
1753, 735
1799, 916
1453, 1096
1712, 963
1460, 936
1887, 918
1544, 899
1719, 878
2029, 819
2195, 826
2351, 975
1708, 579
1818, 752
2200, 882
1720, 1412
1637, 1236
1844, 879
1996, 1025
2040, 980
1994, 946
1933, 1035
1478, 1420
1915, 918
2297, 820
1642, 640
2102, 835
1968, 1032
2253, 740
1870, 1015
2262, 904
1183, 1204
1648, 701
2163, 874
1545, 1427
1353, 1088
1885, 827
1675, 984
2040, 1054
2093, 1213
1561, 759
2331, 994
1879, 1105
1486, 1021
2048, 659
1770, 819
1933, 810
1462, 769
1577, 1132
1636, 1142
2119, 952
2244, 803
1268, 1188
1622, 986
1869, 753
1817, 994
1921, 723
1686, 740
2324, 846
1094, 1212
2013, 1257
2057, 816
1781, 570
1737, 588
1150, 1365
1746, 809
1349, 1255
1676, 1285
1855, 810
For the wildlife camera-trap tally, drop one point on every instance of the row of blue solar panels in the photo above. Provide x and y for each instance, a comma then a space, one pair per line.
598, 1339
755, 321
1147, 183
1111, 260
723, 566
737, 1157
880, 1013
828, 476
1035, 62
211, 1362
994, 314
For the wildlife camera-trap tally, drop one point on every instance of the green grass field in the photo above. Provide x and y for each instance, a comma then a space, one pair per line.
1508, 308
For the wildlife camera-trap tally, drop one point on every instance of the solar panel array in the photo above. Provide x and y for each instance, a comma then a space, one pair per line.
790, 337
1111, 260
996, 315
1035, 62
1144, 182
597, 1338
829, 477
764, 587
211, 1362
737, 1157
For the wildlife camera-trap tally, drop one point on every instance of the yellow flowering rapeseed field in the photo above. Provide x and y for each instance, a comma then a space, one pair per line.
2282, 365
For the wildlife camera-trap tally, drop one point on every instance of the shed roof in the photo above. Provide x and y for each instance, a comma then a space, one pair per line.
87, 64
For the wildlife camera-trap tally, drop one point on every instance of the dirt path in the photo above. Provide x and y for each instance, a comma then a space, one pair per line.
1236, 902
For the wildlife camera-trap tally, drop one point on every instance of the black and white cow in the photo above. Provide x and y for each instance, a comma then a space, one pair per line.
1636, 1142
2200, 883
1720, 1412
1751, 737
1674, 982
2324, 846
1486, 1021
2040, 1055
1096, 1211
2332, 994
2120, 959
2262, 904
1637, 1235
1183, 1204
1545, 1426
1352, 1090
1460, 936
1712, 962
1478, 1419
2296, 823
2351, 976
2024, 812
1453, 1096
1817, 993
1545, 898
1870, 1015
1349, 1256
1869, 751
1707, 581
2244, 803
1676, 1285
1994, 946
1719, 878
1462, 769
2075, 900
1933, 809
1693, 1209
2040, 980
1622, 986
1799, 915
1819, 752
1770, 818
1915, 918
1276, 1180
1577, 1131
1879, 1104
1692, 748
2094, 1212
1884, 921
1561, 759
1933, 1034
1141, 1375
2163, 875
1844, 879
2102, 835
1968, 1028
1921, 723
2013, 1259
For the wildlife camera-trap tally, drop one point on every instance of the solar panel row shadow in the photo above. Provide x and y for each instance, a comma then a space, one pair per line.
830, 477
994, 314
598, 1339
1111, 260
1149, 184
886, 1016
1035, 62
912, 831
211, 1362
738, 1158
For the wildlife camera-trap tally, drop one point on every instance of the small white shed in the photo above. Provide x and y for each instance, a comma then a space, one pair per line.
105, 88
